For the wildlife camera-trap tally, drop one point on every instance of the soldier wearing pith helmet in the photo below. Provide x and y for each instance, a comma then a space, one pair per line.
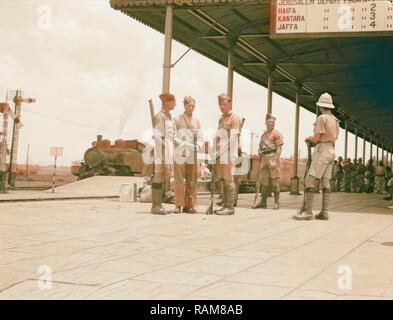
326, 130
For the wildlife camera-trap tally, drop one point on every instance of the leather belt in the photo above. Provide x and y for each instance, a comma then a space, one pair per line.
330, 142
268, 152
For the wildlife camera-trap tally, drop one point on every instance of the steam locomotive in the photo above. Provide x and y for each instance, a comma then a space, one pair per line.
123, 158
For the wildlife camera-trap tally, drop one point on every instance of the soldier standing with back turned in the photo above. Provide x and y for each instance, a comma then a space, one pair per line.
325, 135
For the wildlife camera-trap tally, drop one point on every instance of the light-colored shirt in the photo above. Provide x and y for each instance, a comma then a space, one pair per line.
185, 122
229, 124
380, 170
163, 124
191, 127
271, 140
227, 139
229, 121
327, 125
163, 137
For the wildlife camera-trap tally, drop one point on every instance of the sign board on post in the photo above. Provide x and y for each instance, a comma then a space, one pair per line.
55, 152
331, 17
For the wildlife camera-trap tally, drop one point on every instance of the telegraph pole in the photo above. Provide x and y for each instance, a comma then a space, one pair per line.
10, 169
27, 161
15, 133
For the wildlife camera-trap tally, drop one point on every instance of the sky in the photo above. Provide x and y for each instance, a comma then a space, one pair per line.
93, 69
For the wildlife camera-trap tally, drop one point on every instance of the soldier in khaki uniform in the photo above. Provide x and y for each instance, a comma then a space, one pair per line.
326, 130
163, 152
188, 141
360, 173
227, 142
269, 171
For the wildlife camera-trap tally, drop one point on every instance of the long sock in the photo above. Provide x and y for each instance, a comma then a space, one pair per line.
309, 199
326, 194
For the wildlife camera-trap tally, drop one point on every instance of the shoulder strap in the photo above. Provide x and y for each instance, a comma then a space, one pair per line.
187, 122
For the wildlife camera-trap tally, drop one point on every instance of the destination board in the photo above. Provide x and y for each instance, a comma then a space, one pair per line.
308, 17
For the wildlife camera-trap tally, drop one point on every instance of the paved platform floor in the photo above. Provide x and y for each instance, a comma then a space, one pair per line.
104, 249
94, 187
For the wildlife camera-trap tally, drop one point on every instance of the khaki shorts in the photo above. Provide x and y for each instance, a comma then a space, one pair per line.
322, 161
269, 167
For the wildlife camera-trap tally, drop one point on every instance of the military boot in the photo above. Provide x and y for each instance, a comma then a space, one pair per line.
305, 213
264, 193
222, 200
228, 209
236, 199
177, 209
156, 195
323, 215
276, 191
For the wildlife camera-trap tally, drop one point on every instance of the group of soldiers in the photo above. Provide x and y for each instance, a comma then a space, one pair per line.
357, 177
230, 125
186, 172
348, 176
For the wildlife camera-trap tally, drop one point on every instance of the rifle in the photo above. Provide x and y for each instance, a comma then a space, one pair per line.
240, 155
151, 105
308, 165
210, 208
257, 189
309, 159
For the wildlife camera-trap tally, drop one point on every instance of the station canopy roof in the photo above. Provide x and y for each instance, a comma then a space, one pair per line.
356, 70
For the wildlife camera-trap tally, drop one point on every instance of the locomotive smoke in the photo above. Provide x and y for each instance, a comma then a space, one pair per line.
128, 109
